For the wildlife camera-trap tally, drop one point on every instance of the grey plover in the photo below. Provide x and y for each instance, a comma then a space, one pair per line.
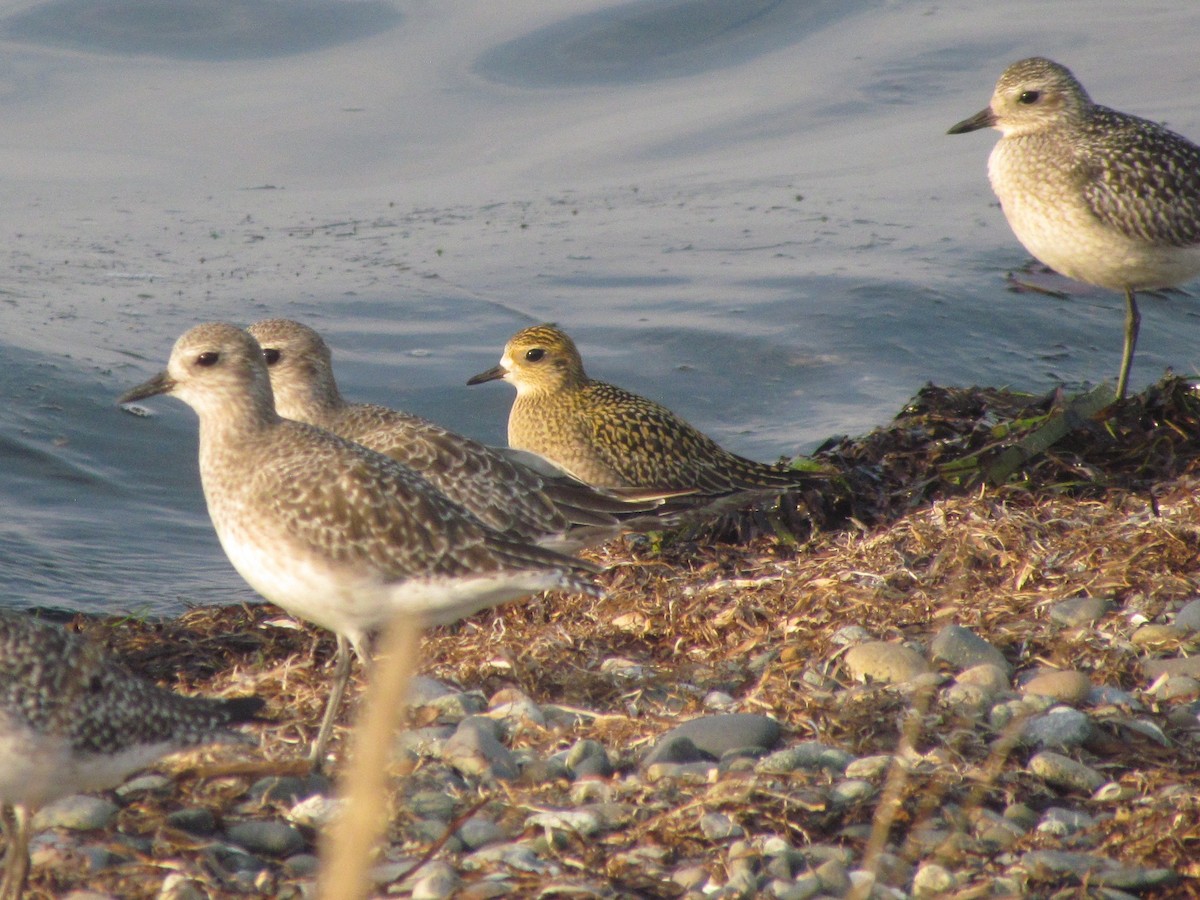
1095, 194
556, 511
72, 720
333, 532
609, 437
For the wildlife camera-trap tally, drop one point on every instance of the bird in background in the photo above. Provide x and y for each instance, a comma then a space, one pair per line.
329, 530
548, 508
72, 720
612, 438
1097, 195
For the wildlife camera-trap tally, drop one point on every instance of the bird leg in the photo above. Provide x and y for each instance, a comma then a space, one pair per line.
16, 861
1133, 320
341, 677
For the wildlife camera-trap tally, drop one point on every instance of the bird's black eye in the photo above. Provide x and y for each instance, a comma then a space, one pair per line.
208, 358
535, 354
271, 355
1029, 97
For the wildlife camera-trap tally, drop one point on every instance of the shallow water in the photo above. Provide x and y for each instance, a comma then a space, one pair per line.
754, 217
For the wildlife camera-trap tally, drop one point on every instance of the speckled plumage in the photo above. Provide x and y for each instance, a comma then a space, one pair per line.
327, 529
609, 437
558, 512
72, 720
1098, 195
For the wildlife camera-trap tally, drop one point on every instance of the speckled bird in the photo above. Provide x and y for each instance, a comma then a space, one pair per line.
559, 512
72, 720
329, 530
612, 438
1097, 195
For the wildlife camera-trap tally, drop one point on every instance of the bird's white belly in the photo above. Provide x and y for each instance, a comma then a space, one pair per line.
1050, 218
354, 601
36, 769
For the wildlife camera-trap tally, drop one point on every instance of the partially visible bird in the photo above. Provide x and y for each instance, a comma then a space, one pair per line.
329, 530
612, 438
72, 720
1095, 194
556, 511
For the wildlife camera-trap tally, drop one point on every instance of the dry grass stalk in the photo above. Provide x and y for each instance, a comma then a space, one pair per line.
353, 836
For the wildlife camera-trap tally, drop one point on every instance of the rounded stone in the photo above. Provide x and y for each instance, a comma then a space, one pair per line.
1153, 634
194, 820
870, 766
719, 827
273, 837
1063, 772
1188, 618
1079, 611
962, 648
991, 679
1183, 665
805, 755
1061, 727
932, 880
1067, 686
473, 749
78, 812
713, 736
886, 662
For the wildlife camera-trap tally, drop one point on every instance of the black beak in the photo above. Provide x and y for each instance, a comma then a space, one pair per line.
162, 383
490, 375
985, 118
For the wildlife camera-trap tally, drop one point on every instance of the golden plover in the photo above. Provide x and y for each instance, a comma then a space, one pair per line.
612, 438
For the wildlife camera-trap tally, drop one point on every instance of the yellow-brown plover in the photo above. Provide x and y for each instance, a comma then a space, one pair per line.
331, 531
1095, 194
612, 438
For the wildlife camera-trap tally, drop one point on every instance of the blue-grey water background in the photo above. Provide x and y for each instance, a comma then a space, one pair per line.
749, 211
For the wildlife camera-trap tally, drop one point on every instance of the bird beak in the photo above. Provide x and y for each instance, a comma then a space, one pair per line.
490, 375
985, 118
162, 383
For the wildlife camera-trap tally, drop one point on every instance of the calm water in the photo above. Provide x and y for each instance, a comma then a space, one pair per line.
750, 212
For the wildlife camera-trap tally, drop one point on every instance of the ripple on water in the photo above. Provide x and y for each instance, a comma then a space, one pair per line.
200, 29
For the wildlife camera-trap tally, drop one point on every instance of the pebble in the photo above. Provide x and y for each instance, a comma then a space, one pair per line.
1188, 618
588, 758
437, 881
473, 749
1066, 686
805, 755
1049, 865
850, 634
718, 827
288, 789
1063, 772
1062, 822
714, 735
833, 877
479, 831
932, 880
1178, 687
516, 709
272, 837
1079, 611
150, 783
315, 812
885, 662
1060, 728
961, 648
194, 820
870, 766
1183, 665
1156, 635
585, 822
177, 886
989, 677
851, 791
78, 812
